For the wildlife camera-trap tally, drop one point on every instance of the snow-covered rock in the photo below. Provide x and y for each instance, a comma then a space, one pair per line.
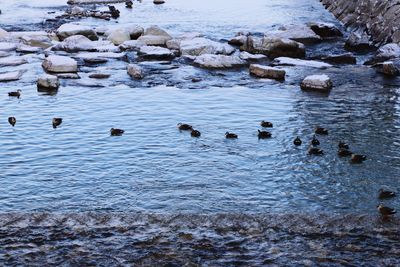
155, 52
248, 56
219, 61
60, 64
135, 71
287, 61
48, 82
70, 29
267, 72
132, 45
12, 61
317, 82
385, 52
302, 34
200, 46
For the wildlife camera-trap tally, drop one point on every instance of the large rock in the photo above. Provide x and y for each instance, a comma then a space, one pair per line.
60, 64
155, 52
267, 72
287, 61
155, 36
219, 61
78, 43
135, 71
69, 29
37, 40
386, 52
248, 56
358, 42
302, 34
119, 36
326, 30
11, 76
200, 46
48, 82
317, 83
274, 47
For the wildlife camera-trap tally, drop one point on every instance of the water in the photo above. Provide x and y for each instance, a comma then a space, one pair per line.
209, 201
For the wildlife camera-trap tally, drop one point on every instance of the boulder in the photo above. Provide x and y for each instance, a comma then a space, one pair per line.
155, 36
200, 46
274, 47
69, 29
75, 43
48, 82
286, 61
135, 71
326, 30
155, 52
11, 76
302, 34
238, 40
131, 45
60, 64
219, 61
388, 68
317, 83
267, 72
358, 42
119, 36
42, 41
384, 53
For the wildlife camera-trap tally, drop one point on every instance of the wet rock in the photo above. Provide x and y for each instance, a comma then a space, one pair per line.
286, 61
347, 58
68, 75
26, 49
155, 36
95, 60
69, 29
60, 64
158, 2
358, 42
267, 72
274, 47
200, 46
12, 61
48, 82
302, 34
3, 34
37, 40
119, 36
248, 56
219, 61
238, 40
131, 45
326, 30
317, 83
135, 71
5, 46
11, 76
388, 68
386, 52
155, 52
99, 75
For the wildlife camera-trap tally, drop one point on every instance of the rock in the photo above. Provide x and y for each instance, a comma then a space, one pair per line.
114, 12
267, 72
11, 76
219, 61
95, 60
77, 11
119, 36
155, 36
68, 75
247, 56
154, 52
69, 29
12, 61
7, 46
200, 46
99, 75
135, 31
158, 2
326, 30
42, 41
48, 82
27, 49
75, 43
386, 52
97, 55
317, 82
60, 64
286, 61
302, 34
274, 47
358, 42
3, 34
238, 40
347, 58
135, 71
131, 45
388, 68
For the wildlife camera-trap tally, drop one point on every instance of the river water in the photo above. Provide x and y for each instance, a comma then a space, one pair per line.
207, 201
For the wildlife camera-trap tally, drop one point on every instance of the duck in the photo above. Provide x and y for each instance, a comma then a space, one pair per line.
315, 141
195, 133
264, 134
343, 152
16, 94
383, 194
297, 141
357, 159
116, 132
321, 131
12, 121
343, 145
315, 151
266, 124
385, 211
229, 135
128, 4
185, 127
56, 122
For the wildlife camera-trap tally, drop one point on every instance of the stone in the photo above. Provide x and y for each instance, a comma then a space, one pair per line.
11, 76
388, 68
75, 43
131, 45
286, 61
78, 11
155, 36
200, 46
347, 58
119, 36
302, 34
99, 75
135, 31
68, 75
135, 71
158, 2
12, 61
358, 42
274, 47
101, 55
26, 49
60, 64
42, 41
320, 83
219, 61
384, 53
5, 46
95, 60
48, 82
326, 30
154, 52
267, 72
248, 56
238, 40
69, 29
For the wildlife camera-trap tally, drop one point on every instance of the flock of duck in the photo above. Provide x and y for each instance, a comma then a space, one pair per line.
343, 148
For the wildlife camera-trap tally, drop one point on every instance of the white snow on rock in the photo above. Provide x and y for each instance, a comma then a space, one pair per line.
219, 61
287, 61
60, 64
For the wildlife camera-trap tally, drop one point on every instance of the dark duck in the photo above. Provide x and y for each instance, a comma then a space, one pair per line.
116, 132
185, 127
12, 121
321, 131
56, 122
297, 141
264, 134
229, 135
266, 124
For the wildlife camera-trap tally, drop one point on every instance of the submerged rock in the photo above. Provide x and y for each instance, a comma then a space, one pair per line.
60, 64
155, 52
317, 83
286, 61
219, 61
135, 71
99, 75
155, 36
48, 82
69, 29
326, 30
267, 72
200, 46
11, 76
274, 47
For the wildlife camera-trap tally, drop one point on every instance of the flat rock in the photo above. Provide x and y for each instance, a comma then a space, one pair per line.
274, 47
68, 75
48, 82
201, 46
60, 64
132, 45
101, 55
302, 34
27, 49
287, 61
4, 46
155, 36
12, 61
135, 71
69, 29
267, 72
219, 61
317, 83
154, 52
99, 75
248, 56
42, 40
158, 2
11, 76
95, 60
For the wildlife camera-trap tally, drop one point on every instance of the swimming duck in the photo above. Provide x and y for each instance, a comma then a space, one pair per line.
128, 4
16, 94
357, 159
315, 151
185, 127
195, 133
297, 141
264, 134
116, 132
12, 121
315, 141
56, 122
231, 135
266, 124
343, 145
321, 131
343, 152
385, 211
386, 194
